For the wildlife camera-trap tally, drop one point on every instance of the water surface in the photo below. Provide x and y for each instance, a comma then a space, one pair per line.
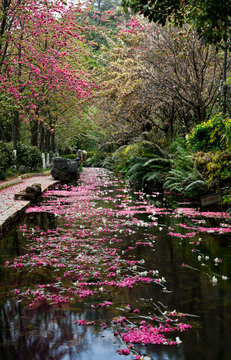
80, 239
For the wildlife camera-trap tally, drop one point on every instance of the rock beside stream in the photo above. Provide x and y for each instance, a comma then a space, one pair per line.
64, 169
30, 193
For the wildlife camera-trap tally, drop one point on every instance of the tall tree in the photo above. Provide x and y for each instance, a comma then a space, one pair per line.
210, 18
44, 66
159, 77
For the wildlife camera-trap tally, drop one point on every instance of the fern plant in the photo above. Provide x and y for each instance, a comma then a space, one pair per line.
185, 178
150, 170
136, 170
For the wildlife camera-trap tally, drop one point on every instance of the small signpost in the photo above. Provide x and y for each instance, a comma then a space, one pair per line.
211, 199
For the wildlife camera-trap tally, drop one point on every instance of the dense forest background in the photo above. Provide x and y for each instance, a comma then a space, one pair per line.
148, 96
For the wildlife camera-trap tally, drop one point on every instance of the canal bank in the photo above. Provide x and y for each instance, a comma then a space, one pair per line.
98, 271
10, 209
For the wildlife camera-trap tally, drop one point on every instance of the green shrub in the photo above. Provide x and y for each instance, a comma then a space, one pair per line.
28, 157
215, 167
143, 162
90, 154
97, 159
184, 177
7, 158
2, 175
70, 156
214, 134
123, 157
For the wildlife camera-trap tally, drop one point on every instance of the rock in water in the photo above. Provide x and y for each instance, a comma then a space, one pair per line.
34, 188
30, 193
64, 169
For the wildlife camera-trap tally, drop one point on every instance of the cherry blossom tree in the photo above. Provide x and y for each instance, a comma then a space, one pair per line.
44, 66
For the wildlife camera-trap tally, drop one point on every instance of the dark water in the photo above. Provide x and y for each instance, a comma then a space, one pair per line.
49, 331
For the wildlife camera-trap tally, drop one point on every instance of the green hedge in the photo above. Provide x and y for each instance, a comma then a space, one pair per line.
211, 135
70, 156
7, 158
28, 156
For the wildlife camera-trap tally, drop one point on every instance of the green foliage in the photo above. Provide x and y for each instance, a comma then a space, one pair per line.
96, 159
189, 183
108, 162
157, 11
123, 157
28, 157
184, 177
211, 18
213, 134
143, 163
90, 154
216, 168
2, 175
149, 165
6, 110
136, 171
7, 158
70, 156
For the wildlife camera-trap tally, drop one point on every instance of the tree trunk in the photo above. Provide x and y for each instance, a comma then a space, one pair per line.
47, 141
53, 142
171, 122
34, 133
41, 139
15, 130
224, 79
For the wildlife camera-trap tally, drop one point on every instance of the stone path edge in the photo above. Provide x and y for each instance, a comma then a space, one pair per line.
18, 213
20, 178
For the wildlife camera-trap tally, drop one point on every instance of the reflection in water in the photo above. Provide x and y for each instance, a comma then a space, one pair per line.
49, 332
52, 334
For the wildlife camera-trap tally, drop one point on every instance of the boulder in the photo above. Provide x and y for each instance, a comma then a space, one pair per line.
30, 193
34, 188
64, 169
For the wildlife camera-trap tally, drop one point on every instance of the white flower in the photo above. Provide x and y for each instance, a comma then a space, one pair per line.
178, 340
144, 273
214, 280
134, 267
199, 257
224, 277
206, 257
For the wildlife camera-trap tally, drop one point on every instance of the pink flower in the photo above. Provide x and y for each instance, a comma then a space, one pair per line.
124, 352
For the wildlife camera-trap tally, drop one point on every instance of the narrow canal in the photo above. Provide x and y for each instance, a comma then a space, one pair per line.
98, 271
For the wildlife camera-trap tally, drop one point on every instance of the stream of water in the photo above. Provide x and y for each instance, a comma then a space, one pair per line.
98, 271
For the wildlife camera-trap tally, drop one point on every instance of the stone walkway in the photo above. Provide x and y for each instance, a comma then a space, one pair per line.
11, 209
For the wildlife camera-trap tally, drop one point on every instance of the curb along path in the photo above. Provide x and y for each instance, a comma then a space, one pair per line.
11, 209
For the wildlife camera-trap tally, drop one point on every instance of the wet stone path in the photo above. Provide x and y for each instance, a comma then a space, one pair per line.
98, 271
9, 208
